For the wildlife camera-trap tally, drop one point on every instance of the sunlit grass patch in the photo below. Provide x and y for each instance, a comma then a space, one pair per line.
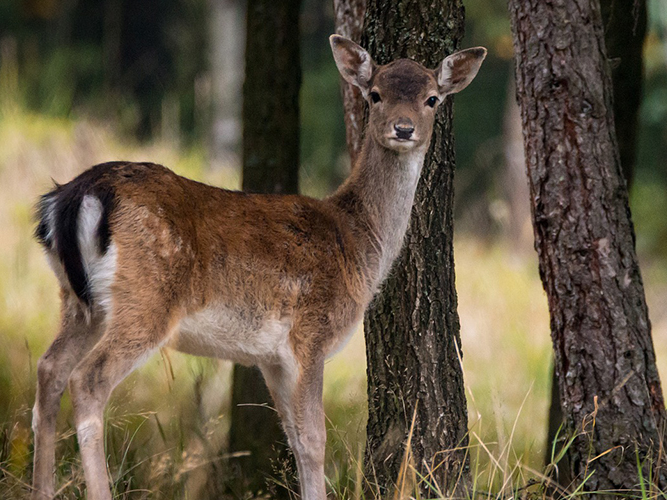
506, 346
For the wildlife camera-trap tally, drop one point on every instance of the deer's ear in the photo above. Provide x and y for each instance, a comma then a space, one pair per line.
458, 70
354, 63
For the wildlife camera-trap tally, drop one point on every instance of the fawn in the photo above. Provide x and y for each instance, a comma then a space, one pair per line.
146, 258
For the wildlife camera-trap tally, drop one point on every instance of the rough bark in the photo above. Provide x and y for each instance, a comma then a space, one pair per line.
412, 328
270, 165
349, 22
625, 29
610, 391
271, 97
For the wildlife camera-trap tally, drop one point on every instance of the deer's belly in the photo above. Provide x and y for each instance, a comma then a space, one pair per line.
221, 333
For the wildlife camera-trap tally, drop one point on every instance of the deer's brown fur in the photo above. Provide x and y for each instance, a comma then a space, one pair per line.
147, 258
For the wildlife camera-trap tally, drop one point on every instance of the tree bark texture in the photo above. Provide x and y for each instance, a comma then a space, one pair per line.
270, 165
349, 22
609, 386
412, 327
271, 97
625, 29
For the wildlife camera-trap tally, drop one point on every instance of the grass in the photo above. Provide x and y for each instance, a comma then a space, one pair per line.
167, 420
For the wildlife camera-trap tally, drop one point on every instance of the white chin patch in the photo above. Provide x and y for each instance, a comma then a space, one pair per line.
401, 145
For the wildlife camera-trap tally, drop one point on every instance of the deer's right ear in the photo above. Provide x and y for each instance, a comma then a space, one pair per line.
354, 63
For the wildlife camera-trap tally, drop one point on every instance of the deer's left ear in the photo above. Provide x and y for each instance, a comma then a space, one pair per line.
459, 69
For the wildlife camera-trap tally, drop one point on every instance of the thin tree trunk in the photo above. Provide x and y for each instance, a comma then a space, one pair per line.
514, 183
625, 30
349, 22
610, 391
271, 97
270, 165
412, 328
227, 33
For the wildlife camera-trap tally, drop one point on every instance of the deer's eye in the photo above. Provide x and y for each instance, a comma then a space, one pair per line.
375, 97
431, 101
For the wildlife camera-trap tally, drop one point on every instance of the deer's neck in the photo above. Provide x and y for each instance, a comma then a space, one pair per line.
378, 196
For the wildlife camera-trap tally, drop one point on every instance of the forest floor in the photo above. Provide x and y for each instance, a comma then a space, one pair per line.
169, 419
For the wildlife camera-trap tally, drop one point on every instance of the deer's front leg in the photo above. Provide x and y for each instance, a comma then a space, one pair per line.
296, 389
311, 431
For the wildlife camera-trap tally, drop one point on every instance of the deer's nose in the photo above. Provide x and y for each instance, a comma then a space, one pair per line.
404, 128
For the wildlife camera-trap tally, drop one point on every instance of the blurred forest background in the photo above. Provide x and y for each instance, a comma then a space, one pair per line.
83, 82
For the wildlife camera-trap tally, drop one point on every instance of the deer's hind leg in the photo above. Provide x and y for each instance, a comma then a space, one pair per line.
75, 339
136, 328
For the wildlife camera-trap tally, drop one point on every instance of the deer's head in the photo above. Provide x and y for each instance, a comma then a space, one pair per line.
403, 96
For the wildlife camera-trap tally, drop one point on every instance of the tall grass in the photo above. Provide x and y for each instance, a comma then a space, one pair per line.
167, 423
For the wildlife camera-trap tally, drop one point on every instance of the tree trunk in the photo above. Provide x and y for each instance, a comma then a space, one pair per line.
625, 30
609, 386
270, 165
271, 97
412, 328
227, 34
514, 183
349, 22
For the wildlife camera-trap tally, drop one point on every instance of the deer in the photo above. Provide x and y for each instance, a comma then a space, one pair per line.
147, 259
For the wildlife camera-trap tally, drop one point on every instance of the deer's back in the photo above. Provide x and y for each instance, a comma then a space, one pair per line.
250, 263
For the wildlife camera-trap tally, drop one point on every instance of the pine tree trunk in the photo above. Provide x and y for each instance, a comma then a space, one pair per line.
412, 328
625, 29
610, 391
270, 165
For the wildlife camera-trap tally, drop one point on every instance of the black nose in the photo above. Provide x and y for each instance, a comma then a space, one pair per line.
404, 129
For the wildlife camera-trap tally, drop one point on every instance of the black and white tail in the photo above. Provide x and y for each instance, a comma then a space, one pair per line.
73, 226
